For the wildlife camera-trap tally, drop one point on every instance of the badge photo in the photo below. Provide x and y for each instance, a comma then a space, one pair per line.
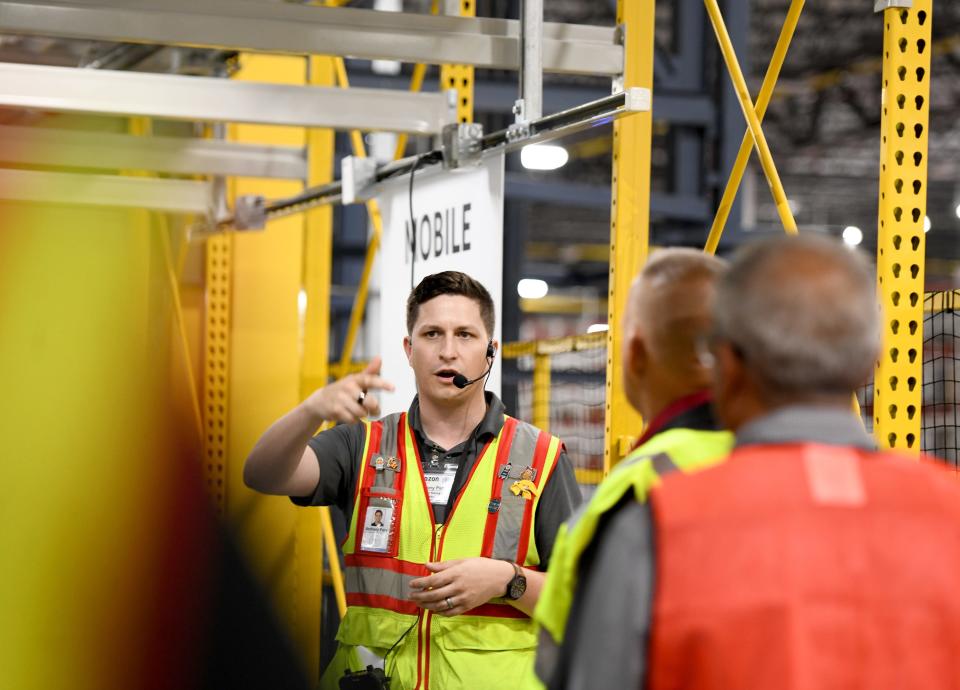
377, 526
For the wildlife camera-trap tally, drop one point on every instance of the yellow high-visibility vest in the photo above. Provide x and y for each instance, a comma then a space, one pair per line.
489, 646
681, 449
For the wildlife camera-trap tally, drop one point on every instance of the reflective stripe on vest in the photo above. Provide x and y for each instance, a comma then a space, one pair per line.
685, 449
493, 515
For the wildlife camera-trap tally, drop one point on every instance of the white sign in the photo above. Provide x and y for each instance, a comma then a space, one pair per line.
459, 224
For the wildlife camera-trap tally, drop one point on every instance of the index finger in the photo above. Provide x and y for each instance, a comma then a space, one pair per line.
372, 381
427, 583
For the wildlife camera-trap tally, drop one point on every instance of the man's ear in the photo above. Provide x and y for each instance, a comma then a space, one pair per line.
638, 356
730, 371
408, 347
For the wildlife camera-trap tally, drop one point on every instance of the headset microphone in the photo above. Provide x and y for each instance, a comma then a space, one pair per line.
461, 381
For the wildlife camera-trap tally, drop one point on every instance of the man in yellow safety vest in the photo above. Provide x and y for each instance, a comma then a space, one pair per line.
664, 328
452, 506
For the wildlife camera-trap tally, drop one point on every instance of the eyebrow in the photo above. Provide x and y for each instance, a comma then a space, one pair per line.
434, 326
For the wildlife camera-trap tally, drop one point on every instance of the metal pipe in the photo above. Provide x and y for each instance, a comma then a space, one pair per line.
531, 60
593, 114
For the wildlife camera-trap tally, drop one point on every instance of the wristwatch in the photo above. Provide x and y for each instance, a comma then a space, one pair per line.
518, 583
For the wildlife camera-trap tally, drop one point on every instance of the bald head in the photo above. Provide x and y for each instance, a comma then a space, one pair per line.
668, 313
803, 314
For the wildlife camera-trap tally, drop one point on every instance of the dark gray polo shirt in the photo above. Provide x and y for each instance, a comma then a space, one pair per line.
339, 452
606, 637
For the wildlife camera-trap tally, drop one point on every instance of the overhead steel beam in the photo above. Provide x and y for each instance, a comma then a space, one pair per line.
177, 155
296, 29
219, 100
172, 196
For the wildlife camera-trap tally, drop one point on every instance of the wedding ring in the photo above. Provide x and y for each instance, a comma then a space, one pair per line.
361, 397
449, 603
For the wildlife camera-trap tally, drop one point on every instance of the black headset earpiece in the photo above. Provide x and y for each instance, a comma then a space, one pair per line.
491, 350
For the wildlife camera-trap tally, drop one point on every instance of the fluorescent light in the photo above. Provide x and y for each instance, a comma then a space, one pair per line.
543, 156
927, 224
852, 235
302, 302
598, 328
532, 288
957, 210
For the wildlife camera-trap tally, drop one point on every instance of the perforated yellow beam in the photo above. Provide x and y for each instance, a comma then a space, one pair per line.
900, 240
216, 364
630, 217
460, 77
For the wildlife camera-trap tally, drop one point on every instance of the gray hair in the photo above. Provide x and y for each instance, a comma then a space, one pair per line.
803, 312
680, 263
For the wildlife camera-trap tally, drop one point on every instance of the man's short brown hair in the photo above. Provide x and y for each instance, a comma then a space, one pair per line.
450, 283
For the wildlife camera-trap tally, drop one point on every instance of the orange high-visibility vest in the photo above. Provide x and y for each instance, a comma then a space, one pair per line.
807, 567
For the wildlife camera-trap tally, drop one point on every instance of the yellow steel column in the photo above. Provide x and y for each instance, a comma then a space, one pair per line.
265, 375
630, 217
541, 391
900, 238
318, 246
460, 77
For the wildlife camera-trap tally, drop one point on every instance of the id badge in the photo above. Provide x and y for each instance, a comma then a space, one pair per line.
440, 483
379, 525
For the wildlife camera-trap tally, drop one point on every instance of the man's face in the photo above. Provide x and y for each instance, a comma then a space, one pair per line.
448, 338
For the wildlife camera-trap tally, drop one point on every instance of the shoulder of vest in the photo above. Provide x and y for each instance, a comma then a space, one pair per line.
391, 419
680, 443
529, 428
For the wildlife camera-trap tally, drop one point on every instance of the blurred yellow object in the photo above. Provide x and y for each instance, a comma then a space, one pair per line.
91, 466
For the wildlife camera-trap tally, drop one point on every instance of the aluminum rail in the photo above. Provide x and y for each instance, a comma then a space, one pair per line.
178, 155
220, 100
593, 114
247, 25
170, 196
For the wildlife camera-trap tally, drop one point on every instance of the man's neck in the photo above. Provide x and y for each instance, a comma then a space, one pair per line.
755, 408
449, 423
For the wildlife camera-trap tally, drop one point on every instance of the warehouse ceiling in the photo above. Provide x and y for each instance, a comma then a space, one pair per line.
822, 126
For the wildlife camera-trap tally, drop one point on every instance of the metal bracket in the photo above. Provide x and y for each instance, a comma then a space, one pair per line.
638, 99
881, 5
518, 131
357, 176
250, 213
462, 145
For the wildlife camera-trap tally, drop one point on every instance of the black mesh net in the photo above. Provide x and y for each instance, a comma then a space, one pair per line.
941, 376
576, 395
940, 414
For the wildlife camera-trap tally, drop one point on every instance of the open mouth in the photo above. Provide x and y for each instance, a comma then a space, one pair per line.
446, 375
